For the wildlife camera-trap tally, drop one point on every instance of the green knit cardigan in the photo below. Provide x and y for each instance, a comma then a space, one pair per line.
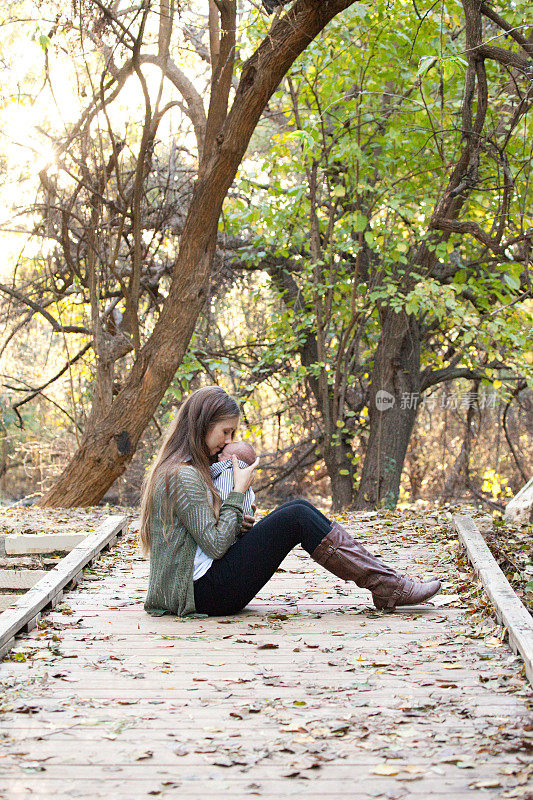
172, 548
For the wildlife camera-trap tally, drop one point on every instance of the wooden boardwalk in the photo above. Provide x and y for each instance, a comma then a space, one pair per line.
308, 692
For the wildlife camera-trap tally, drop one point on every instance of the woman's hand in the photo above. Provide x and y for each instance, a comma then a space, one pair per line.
242, 478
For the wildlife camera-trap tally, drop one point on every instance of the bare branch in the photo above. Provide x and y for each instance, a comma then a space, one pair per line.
194, 107
39, 389
506, 57
516, 391
491, 14
46, 314
222, 70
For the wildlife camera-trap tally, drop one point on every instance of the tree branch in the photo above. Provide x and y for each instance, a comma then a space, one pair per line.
40, 310
489, 12
222, 61
39, 389
506, 57
516, 391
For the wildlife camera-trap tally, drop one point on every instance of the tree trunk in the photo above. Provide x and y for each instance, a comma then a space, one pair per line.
393, 401
337, 456
107, 449
340, 470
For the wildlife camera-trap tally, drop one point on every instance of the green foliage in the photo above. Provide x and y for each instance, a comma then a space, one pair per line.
373, 129
381, 128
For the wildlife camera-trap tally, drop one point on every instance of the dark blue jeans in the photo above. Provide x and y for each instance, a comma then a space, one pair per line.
233, 580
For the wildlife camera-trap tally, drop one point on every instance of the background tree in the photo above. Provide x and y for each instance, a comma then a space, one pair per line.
327, 225
359, 241
109, 444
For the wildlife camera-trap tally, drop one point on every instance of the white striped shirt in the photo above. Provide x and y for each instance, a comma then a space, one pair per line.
222, 475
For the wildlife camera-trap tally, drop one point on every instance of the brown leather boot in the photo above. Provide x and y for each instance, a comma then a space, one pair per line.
346, 558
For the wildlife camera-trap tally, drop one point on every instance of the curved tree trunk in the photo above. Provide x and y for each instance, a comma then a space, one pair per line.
393, 401
109, 447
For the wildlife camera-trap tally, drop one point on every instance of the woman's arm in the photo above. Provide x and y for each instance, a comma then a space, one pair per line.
196, 514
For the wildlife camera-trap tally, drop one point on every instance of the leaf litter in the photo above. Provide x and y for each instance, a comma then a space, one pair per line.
405, 717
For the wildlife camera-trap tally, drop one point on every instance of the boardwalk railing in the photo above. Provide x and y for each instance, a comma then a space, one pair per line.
23, 614
510, 611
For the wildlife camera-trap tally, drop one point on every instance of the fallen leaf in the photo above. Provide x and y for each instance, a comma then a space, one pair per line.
385, 769
487, 784
492, 641
143, 755
444, 600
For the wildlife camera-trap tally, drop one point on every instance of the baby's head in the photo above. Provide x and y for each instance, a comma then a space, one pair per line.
244, 452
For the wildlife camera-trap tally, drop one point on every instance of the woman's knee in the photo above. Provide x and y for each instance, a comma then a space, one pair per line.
303, 508
288, 504
297, 501
308, 505
292, 517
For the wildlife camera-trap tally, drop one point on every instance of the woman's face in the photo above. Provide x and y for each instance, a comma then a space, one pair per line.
221, 434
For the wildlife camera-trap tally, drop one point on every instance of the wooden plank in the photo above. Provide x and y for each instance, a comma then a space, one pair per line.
50, 587
109, 720
509, 609
6, 646
20, 578
7, 600
24, 543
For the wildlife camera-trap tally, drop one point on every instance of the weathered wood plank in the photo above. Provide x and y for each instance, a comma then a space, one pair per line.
509, 609
24, 543
7, 600
102, 714
51, 585
20, 578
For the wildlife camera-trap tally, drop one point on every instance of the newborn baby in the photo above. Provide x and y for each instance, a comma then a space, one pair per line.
222, 472
243, 450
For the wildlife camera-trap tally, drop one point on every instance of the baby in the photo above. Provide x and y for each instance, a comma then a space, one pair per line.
222, 471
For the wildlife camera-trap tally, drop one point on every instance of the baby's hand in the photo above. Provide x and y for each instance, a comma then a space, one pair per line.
248, 521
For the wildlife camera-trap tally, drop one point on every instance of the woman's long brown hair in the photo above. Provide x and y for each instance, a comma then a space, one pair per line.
184, 443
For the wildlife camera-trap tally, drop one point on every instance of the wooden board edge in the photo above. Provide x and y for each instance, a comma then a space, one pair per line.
47, 589
511, 612
24, 544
